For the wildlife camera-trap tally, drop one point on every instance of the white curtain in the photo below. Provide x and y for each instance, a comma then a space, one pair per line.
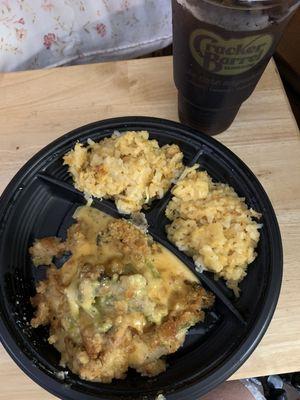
48, 33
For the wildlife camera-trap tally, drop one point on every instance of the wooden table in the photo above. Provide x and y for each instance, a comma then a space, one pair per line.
38, 106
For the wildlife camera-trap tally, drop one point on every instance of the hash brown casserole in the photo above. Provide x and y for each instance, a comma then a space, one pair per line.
213, 225
128, 168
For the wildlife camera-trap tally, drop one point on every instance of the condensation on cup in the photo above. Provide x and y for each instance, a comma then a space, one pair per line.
221, 49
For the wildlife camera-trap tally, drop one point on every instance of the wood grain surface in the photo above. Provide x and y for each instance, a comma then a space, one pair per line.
38, 106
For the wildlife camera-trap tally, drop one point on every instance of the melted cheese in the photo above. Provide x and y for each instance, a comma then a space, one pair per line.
121, 300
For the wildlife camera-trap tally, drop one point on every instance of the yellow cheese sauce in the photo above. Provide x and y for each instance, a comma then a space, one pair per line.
166, 274
93, 221
167, 263
121, 300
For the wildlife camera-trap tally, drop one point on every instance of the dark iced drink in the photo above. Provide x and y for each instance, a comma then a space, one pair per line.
221, 48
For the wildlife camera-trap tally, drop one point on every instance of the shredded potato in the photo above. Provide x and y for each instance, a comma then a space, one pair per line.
213, 225
129, 168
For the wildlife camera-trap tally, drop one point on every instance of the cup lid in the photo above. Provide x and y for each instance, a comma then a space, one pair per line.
255, 4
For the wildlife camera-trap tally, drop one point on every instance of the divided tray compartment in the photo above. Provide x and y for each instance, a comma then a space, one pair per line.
41, 200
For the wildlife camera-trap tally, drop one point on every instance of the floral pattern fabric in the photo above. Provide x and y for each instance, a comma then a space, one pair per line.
48, 33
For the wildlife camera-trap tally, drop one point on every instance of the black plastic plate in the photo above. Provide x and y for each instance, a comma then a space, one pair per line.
40, 201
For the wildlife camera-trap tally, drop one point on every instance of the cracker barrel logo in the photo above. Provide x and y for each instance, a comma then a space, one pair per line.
228, 57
